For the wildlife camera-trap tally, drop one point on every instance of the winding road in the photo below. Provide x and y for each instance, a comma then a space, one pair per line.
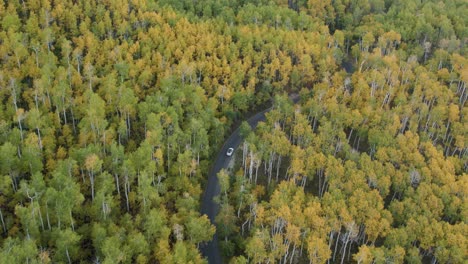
210, 250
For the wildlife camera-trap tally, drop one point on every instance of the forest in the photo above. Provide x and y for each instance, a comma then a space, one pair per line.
113, 111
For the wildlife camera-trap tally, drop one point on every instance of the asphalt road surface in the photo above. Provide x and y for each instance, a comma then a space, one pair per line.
210, 250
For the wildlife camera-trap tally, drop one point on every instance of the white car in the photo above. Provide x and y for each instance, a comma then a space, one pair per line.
229, 152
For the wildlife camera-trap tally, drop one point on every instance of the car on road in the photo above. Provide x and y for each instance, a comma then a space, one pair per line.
229, 152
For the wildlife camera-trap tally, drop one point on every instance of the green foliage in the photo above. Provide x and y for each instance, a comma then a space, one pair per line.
112, 112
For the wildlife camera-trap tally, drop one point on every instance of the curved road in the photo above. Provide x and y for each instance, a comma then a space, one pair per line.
211, 249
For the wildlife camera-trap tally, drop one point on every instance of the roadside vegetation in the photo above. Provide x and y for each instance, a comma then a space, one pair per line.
112, 112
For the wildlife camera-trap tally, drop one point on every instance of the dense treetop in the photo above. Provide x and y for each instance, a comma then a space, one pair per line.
112, 112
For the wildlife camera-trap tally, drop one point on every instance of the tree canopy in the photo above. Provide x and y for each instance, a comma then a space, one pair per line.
112, 111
